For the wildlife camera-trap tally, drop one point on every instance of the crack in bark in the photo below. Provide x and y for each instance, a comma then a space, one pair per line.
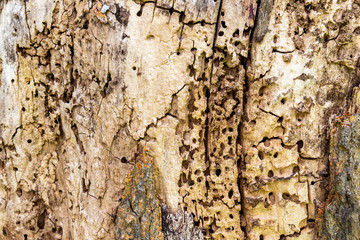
168, 113
282, 52
171, 11
26, 19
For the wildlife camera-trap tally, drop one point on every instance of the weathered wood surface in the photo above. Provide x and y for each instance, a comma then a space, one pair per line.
233, 99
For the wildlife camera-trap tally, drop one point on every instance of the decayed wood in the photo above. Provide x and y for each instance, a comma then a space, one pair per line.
233, 99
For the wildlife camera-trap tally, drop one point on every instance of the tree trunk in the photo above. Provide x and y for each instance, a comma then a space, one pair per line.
175, 119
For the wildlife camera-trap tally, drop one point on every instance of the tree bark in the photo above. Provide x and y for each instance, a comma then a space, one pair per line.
175, 119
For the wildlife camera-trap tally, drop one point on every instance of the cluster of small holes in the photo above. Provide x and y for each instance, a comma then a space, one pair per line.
265, 158
220, 151
189, 176
222, 147
222, 24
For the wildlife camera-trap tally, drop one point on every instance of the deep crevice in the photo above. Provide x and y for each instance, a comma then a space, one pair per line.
240, 138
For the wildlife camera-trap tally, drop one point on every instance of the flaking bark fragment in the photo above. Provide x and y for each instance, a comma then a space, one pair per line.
342, 210
263, 19
139, 214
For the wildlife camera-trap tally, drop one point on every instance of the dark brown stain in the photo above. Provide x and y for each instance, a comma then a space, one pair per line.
122, 15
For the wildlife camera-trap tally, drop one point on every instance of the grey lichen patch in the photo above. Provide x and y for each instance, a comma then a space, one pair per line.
139, 213
343, 209
179, 226
263, 19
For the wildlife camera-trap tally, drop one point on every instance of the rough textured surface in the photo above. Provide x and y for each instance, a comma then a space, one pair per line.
234, 100
139, 213
297, 80
179, 226
343, 209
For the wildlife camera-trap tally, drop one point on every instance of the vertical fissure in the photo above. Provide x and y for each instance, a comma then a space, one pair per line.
60, 142
26, 20
208, 91
209, 88
241, 161
216, 32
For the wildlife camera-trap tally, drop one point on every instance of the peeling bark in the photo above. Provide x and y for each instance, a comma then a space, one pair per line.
342, 208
